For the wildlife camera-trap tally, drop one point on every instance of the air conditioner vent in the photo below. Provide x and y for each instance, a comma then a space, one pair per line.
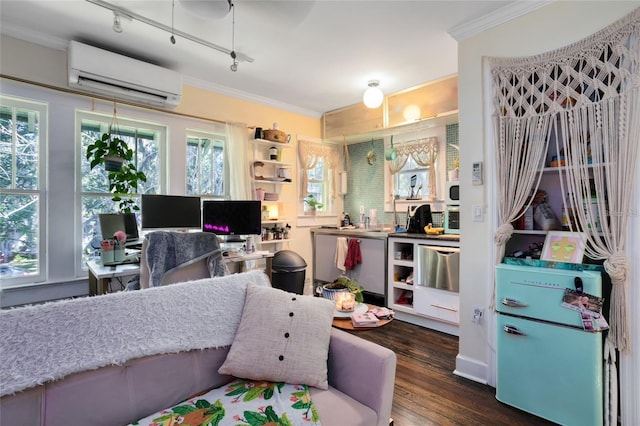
116, 76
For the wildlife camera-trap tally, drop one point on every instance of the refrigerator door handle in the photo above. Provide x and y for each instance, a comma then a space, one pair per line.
513, 303
512, 329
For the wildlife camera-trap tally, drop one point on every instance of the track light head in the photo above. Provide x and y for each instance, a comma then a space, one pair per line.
117, 24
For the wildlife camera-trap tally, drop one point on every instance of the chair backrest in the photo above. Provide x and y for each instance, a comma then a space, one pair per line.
207, 252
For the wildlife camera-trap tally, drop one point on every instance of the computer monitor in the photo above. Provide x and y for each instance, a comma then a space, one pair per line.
232, 218
171, 212
112, 222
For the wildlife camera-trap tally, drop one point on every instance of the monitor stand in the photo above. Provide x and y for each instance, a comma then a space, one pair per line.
234, 239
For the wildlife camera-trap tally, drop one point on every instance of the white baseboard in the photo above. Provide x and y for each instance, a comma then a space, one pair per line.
471, 369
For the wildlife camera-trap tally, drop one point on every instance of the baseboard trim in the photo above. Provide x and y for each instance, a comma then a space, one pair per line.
471, 369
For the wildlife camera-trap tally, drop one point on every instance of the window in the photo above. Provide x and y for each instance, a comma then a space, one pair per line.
318, 183
146, 140
403, 181
23, 127
205, 164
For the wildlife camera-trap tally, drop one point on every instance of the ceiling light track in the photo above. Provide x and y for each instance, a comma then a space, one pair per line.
132, 15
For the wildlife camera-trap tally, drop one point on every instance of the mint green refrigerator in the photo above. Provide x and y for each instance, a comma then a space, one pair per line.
547, 364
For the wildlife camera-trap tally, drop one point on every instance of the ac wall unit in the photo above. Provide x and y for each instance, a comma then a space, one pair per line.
116, 76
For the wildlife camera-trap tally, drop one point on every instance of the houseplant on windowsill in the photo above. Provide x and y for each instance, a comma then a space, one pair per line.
123, 180
313, 204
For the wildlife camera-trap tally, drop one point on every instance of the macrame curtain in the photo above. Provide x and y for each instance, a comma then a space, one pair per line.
424, 152
585, 98
309, 152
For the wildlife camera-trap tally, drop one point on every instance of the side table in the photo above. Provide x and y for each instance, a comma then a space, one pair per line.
345, 323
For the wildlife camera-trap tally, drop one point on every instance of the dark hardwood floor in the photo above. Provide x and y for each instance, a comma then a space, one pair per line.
428, 393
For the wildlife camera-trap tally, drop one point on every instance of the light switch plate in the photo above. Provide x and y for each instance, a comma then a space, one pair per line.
477, 213
476, 173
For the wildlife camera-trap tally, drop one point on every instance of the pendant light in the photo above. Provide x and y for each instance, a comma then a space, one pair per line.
373, 96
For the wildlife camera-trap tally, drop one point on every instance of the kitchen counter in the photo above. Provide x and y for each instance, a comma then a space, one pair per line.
446, 237
380, 234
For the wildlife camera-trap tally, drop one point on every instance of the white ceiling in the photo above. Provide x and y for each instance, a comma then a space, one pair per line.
309, 56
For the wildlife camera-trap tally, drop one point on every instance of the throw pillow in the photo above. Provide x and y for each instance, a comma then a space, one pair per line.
282, 337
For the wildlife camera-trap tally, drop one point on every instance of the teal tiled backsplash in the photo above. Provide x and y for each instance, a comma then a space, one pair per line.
366, 182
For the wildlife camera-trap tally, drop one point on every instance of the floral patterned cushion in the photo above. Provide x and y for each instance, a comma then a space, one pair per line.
282, 337
241, 402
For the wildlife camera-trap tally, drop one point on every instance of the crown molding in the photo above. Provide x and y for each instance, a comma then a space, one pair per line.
511, 11
251, 97
35, 37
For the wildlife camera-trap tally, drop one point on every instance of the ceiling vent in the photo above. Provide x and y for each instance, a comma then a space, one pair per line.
116, 76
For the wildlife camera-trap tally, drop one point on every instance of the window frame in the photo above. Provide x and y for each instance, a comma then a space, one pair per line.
105, 120
216, 137
41, 190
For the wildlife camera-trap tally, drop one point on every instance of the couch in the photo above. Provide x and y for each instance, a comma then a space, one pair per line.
111, 391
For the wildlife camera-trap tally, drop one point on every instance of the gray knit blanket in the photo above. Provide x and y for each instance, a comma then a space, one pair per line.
168, 250
46, 342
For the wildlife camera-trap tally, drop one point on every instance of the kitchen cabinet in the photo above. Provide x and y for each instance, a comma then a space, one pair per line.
270, 174
370, 273
413, 293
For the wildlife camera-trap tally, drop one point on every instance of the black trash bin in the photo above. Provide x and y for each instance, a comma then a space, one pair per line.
288, 271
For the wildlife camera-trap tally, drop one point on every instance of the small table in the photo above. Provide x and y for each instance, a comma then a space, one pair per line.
345, 322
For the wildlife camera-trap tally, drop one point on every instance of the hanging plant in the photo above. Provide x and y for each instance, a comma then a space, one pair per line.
116, 156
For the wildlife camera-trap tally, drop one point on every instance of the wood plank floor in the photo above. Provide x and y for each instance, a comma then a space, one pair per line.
428, 393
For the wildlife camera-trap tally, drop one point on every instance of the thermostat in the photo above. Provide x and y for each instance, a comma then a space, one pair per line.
476, 173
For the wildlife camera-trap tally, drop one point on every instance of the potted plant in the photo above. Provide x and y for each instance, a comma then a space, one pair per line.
343, 283
123, 176
312, 203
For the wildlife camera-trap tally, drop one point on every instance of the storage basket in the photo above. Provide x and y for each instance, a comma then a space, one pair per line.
274, 135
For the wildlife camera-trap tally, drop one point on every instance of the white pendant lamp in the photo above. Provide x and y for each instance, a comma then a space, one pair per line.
373, 96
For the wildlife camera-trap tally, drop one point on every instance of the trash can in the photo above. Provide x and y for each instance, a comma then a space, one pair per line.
288, 271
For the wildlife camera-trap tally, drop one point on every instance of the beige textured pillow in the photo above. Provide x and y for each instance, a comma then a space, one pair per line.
282, 337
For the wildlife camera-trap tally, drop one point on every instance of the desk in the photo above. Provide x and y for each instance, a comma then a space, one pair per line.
100, 275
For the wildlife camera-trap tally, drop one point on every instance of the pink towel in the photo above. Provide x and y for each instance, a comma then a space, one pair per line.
354, 256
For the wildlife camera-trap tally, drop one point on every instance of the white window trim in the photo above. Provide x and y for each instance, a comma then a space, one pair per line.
43, 110
162, 129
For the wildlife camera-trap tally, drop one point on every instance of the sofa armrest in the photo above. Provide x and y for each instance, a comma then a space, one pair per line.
363, 370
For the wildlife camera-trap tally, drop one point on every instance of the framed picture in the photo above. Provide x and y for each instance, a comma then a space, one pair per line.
562, 246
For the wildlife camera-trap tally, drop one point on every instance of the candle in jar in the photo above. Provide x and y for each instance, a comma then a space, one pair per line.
345, 302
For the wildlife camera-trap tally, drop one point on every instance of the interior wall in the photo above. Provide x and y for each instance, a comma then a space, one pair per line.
564, 23
48, 66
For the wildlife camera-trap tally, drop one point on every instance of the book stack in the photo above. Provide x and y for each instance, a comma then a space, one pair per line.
382, 313
367, 319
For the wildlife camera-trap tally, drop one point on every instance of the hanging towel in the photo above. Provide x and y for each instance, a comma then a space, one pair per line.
341, 252
353, 254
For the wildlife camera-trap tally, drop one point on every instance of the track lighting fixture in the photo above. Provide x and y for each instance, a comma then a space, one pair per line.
120, 12
373, 96
234, 65
173, 12
117, 24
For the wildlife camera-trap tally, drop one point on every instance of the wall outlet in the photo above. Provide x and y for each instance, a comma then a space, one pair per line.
478, 313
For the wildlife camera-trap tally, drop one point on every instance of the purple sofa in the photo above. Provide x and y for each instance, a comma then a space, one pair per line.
361, 378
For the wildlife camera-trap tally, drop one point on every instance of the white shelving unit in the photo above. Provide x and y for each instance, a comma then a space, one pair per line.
265, 175
524, 239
